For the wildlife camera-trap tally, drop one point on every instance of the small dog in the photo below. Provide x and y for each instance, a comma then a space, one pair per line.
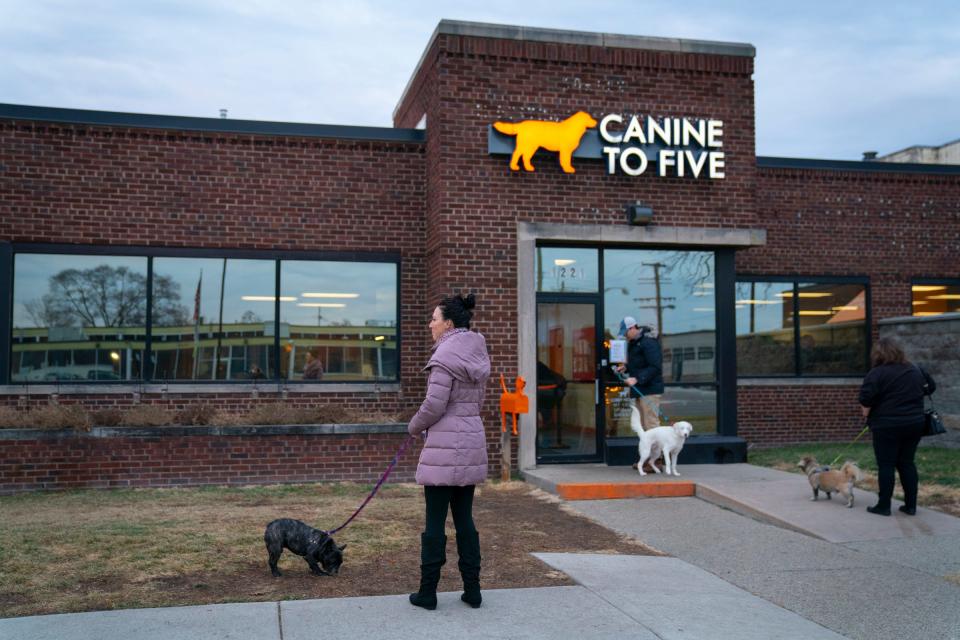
666, 441
831, 481
563, 137
302, 539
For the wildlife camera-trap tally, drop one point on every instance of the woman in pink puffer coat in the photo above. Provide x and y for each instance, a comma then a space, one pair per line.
454, 456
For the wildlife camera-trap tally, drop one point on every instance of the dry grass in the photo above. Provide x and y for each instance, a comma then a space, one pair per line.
95, 550
147, 415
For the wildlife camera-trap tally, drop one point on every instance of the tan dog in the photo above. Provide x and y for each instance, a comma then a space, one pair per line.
562, 137
831, 480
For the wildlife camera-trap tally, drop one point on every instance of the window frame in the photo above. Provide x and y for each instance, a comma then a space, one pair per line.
8, 251
795, 280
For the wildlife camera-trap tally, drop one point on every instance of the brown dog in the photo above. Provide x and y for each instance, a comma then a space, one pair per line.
562, 137
831, 480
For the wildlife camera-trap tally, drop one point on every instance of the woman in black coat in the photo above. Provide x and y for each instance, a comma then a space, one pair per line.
891, 399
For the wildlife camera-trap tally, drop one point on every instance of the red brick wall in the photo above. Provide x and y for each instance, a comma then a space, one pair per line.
78, 184
82, 461
775, 415
474, 201
887, 227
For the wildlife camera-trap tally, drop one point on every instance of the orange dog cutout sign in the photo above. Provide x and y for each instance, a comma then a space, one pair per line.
532, 135
512, 402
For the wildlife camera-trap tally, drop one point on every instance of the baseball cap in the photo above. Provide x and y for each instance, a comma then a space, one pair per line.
626, 323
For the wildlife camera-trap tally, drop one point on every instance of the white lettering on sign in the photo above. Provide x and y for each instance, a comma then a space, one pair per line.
632, 160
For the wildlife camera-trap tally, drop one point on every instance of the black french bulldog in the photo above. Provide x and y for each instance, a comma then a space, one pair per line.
302, 539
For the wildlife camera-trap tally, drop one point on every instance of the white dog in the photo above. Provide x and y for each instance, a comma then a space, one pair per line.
666, 441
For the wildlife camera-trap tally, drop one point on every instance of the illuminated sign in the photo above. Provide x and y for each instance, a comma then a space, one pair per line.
679, 147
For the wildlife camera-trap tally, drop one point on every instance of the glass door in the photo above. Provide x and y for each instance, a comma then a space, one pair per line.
568, 427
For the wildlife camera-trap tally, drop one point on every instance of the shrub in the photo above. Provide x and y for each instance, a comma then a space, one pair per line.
107, 417
196, 414
10, 418
272, 413
59, 416
147, 415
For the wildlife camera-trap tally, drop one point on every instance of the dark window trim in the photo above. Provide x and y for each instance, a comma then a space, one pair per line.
9, 250
796, 280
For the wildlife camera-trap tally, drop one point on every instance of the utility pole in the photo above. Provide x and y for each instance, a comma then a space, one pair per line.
658, 299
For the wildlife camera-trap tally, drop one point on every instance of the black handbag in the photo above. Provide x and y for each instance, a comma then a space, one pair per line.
932, 424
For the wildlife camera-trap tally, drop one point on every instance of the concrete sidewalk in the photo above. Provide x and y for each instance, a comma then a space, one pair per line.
761, 562
861, 575
613, 600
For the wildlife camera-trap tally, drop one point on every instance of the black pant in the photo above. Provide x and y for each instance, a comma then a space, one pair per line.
460, 501
894, 448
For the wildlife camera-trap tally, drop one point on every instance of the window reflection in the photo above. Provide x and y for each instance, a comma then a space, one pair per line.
833, 329
672, 291
338, 320
765, 328
697, 404
229, 311
79, 318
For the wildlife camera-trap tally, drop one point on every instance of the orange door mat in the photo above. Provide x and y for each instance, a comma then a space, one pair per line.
613, 490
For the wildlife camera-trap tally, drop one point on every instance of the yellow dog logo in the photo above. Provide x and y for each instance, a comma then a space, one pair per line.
562, 137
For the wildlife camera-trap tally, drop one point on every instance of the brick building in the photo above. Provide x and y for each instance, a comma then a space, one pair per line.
155, 259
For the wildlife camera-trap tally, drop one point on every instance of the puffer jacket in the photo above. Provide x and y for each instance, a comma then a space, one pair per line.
455, 450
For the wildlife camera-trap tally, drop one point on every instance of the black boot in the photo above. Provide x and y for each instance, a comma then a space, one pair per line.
468, 548
433, 554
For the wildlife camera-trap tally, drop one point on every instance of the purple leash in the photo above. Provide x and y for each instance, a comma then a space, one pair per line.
383, 479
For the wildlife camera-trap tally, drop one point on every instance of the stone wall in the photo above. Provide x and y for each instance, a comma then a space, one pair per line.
934, 344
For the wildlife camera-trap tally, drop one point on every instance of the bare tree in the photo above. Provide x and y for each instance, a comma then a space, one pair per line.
106, 296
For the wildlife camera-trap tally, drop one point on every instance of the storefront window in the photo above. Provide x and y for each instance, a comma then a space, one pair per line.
765, 329
822, 332
697, 404
566, 269
672, 291
202, 305
833, 329
78, 318
934, 298
338, 320
84, 318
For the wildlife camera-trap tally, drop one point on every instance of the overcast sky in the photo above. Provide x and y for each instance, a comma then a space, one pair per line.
833, 79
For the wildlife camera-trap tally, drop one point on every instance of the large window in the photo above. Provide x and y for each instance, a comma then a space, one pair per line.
78, 318
338, 320
801, 328
94, 317
935, 297
674, 292
227, 308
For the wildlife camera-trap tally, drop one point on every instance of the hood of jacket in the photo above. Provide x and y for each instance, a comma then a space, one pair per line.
464, 355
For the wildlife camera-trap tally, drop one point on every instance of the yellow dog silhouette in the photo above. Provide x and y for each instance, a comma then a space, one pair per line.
563, 137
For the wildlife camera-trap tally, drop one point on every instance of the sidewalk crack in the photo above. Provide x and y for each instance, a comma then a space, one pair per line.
280, 621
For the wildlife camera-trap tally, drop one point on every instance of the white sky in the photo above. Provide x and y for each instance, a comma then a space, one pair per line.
833, 79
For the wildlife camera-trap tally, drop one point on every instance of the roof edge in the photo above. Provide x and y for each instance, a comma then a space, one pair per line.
768, 162
207, 125
564, 36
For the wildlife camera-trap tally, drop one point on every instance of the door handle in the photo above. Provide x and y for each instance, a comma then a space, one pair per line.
596, 391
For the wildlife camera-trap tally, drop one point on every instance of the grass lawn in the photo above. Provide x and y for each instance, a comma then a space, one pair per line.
115, 549
939, 468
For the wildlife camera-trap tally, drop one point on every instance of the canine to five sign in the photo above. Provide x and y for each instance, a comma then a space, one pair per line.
680, 147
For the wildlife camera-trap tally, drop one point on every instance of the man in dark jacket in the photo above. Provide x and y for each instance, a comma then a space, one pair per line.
644, 369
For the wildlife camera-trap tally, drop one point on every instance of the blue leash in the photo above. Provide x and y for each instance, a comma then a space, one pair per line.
660, 413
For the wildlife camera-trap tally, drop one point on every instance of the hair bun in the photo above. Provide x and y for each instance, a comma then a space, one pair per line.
469, 301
